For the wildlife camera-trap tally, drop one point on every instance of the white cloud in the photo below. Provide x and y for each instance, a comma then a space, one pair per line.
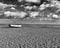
33, 1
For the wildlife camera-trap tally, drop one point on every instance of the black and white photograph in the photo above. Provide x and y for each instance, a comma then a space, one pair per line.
29, 23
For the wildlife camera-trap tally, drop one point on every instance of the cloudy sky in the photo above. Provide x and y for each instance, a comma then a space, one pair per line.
8, 1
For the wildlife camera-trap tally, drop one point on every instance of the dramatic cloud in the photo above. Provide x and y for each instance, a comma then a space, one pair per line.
33, 0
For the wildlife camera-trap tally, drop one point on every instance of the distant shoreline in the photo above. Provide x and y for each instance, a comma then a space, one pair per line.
17, 21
